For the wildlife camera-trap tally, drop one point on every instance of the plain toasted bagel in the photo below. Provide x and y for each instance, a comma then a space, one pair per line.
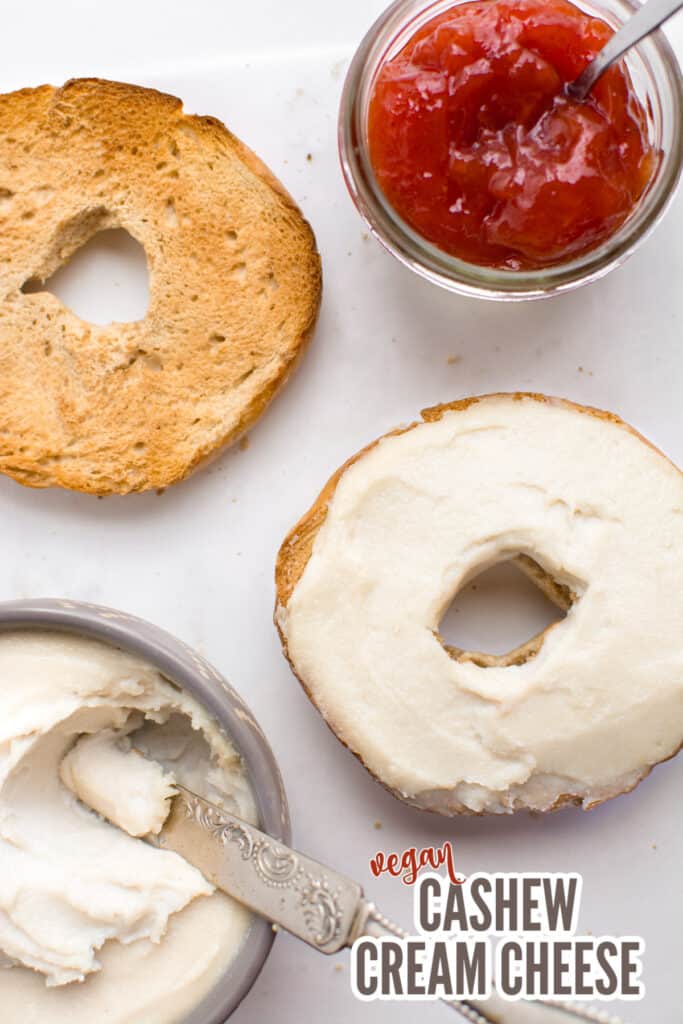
235, 285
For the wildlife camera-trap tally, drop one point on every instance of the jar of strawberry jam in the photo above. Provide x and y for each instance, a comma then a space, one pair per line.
473, 167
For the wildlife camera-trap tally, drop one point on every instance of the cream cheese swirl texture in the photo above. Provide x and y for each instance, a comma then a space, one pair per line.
70, 882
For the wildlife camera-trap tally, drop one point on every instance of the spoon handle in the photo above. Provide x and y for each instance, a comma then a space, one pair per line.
649, 17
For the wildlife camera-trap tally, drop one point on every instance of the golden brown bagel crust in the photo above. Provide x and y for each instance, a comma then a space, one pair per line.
297, 547
235, 284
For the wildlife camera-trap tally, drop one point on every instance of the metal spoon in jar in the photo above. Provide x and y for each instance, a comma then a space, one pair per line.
650, 16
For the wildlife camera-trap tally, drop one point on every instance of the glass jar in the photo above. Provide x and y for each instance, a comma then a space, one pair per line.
657, 81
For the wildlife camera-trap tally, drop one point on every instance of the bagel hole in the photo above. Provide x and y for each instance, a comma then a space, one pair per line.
106, 281
495, 614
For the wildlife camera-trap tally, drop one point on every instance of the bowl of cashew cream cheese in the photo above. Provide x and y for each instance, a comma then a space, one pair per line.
96, 923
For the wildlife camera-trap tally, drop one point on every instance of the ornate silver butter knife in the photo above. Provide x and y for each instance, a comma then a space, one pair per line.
312, 902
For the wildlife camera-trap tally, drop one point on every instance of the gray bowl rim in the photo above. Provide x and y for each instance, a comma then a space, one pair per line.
189, 670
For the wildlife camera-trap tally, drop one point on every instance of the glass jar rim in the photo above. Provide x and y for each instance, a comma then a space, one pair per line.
426, 259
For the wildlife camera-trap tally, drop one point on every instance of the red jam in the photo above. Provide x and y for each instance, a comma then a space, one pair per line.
476, 146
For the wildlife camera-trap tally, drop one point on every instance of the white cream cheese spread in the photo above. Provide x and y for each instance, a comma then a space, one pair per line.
420, 514
96, 924
119, 782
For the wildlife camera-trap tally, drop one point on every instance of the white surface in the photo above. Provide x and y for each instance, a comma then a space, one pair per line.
199, 559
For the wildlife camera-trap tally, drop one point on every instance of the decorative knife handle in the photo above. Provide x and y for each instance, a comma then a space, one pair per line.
295, 892
311, 901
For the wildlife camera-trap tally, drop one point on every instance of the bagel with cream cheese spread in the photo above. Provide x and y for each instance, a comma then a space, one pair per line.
590, 510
